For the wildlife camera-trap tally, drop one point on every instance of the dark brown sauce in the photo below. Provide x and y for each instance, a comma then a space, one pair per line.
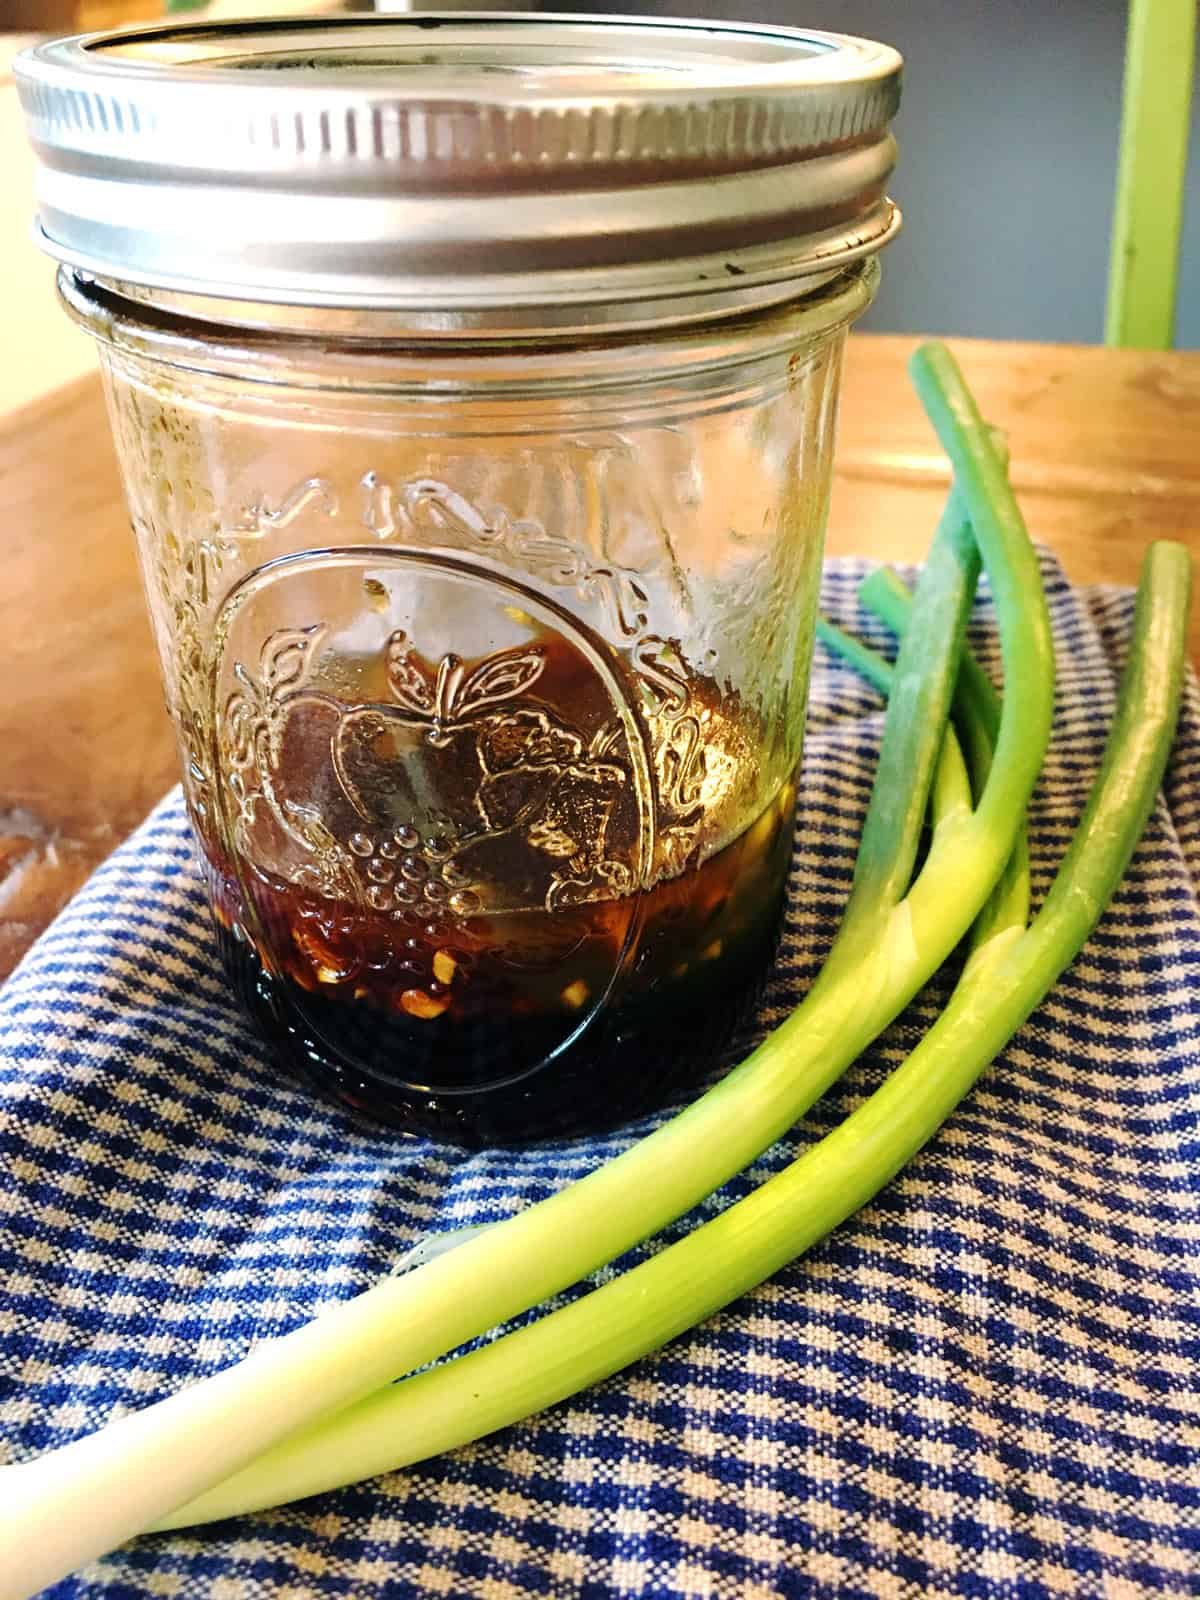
518, 1026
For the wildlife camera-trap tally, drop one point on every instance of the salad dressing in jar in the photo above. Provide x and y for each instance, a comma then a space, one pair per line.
473, 380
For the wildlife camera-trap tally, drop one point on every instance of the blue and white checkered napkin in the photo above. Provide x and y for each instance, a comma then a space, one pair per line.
984, 1385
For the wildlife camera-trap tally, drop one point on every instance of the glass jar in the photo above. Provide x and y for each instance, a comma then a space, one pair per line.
485, 630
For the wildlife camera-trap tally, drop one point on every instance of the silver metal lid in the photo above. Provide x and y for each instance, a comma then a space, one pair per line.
450, 163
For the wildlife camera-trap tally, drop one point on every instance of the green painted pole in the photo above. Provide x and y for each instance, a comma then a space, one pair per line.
1151, 168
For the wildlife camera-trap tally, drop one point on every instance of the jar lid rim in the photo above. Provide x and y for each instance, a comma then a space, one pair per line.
462, 162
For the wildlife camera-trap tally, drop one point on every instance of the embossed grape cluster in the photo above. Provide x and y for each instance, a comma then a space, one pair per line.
407, 876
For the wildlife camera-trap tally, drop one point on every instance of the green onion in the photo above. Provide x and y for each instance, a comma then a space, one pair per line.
93, 1494
977, 713
637, 1313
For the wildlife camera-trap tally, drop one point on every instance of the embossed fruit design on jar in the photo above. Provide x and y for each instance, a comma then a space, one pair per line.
474, 399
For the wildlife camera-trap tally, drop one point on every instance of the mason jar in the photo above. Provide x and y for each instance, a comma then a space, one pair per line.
473, 381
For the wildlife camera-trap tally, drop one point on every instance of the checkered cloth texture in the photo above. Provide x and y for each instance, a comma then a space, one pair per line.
985, 1384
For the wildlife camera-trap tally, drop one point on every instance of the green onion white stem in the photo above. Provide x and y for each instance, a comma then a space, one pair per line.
71, 1505
623, 1320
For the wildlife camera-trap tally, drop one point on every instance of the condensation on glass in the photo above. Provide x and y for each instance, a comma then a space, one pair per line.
485, 620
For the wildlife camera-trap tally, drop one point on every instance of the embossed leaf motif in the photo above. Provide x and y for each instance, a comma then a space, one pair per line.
240, 722
453, 696
408, 676
501, 677
283, 664
286, 657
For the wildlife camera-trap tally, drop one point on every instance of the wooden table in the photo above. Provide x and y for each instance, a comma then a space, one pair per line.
1105, 457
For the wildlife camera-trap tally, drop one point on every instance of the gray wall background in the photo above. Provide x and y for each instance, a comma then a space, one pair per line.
1008, 145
